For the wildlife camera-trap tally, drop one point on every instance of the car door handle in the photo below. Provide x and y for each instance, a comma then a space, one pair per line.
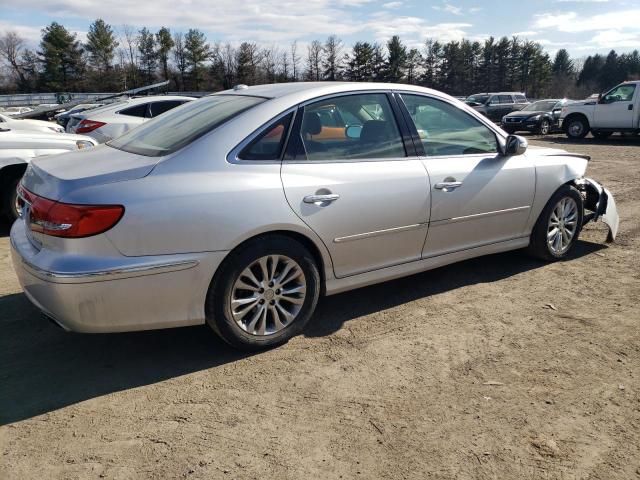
630, 107
447, 186
321, 199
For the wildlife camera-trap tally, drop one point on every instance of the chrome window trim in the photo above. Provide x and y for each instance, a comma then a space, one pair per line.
481, 118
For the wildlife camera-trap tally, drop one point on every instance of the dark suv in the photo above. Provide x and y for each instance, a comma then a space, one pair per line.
497, 105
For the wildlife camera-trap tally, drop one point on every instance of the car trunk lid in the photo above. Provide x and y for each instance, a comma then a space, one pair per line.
55, 176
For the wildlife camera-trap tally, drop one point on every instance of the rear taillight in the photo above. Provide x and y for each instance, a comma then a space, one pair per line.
67, 220
86, 126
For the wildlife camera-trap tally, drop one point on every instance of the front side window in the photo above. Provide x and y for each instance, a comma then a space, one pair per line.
622, 93
447, 130
268, 145
368, 129
179, 127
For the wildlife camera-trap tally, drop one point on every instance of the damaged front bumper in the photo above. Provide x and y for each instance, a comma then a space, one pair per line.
600, 204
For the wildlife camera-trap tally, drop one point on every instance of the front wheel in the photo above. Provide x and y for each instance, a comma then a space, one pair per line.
577, 128
558, 226
264, 293
545, 127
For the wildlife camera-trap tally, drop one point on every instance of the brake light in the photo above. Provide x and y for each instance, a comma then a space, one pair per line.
86, 126
67, 220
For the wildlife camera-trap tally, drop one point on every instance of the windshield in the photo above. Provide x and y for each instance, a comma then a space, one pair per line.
541, 106
182, 125
482, 99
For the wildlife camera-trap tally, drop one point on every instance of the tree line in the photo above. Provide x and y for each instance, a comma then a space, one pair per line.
113, 61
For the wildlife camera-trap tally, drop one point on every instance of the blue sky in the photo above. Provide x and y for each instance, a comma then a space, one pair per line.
581, 26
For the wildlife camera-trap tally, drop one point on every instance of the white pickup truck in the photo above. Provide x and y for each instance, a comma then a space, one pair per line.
618, 110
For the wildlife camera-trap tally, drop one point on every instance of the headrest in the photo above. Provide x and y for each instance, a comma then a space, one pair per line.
374, 131
311, 124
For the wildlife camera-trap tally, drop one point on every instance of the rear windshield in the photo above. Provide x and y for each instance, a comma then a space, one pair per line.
181, 126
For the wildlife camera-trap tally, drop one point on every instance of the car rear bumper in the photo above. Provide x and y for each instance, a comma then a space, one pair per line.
132, 293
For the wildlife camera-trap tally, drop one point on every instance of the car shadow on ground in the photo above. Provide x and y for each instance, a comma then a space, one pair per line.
335, 310
43, 368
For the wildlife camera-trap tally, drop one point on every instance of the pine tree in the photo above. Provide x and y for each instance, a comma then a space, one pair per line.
165, 44
197, 51
394, 68
61, 57
148, 55
332, 61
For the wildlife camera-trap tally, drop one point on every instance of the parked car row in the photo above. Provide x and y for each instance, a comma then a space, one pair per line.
22, 140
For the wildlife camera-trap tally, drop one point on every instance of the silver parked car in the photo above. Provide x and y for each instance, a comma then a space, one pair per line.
240, 209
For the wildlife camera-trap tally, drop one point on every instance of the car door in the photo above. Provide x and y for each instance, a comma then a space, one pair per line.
616, 109
363, 192
478, 196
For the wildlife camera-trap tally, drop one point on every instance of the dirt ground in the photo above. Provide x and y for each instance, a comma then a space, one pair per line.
496, 368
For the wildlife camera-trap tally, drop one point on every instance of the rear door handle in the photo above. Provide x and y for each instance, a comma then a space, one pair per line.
321, 200
447, 186
630, 107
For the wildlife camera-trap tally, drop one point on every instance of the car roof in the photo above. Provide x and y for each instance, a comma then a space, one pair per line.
301, 91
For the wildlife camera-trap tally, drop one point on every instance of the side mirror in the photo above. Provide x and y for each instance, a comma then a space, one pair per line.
514, 145
353, 131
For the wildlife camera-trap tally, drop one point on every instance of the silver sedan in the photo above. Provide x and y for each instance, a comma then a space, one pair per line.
240, 209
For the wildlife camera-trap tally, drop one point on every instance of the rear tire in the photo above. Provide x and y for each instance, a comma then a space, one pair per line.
577, 128
558, 226
9, 206
264, 293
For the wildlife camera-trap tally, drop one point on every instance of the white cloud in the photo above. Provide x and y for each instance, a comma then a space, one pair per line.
392, 5
447, 7
526, 33
571, 22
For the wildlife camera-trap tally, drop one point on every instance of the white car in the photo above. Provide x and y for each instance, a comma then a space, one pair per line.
113, 120
10, 111
18, 147
30, 125
618, 110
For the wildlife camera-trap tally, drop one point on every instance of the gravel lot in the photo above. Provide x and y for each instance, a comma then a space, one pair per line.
495, 368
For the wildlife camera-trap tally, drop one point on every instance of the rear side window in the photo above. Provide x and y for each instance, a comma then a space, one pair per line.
178, 128
506, 99
521, 99
269, 144
158, 108
135, 111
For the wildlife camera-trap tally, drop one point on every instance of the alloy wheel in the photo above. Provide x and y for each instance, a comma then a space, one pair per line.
268, 295
562, 226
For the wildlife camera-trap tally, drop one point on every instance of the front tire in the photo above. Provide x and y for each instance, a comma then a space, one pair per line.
264, 293
544, 127
577, 128
558, 226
